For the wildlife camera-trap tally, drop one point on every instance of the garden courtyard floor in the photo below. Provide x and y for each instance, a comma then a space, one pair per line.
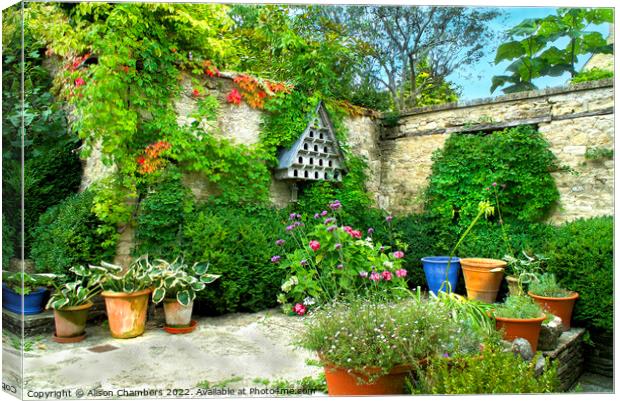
235, 351
232, 351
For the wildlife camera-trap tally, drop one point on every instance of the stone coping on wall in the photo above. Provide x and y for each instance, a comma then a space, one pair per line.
583, 86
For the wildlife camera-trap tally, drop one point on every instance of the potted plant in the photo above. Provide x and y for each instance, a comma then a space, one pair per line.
72, 301
522, 271
368, 348
435, 272
519, 317
126, 296
177, 284
546, 291
25, 293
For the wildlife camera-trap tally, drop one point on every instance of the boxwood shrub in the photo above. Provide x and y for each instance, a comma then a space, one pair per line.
581, 256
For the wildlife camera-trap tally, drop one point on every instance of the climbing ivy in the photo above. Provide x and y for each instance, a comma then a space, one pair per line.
515, 162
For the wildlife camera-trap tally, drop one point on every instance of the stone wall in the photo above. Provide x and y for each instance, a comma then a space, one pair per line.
573, 119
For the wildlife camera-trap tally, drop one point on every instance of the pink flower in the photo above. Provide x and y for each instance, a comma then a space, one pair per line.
387, 275
299, 309
399, 254
234, 97
353, 233
363, 274
374, 276
275, 259
494, 184
80, 81
389, 218
315, 245
401, 273
280, 242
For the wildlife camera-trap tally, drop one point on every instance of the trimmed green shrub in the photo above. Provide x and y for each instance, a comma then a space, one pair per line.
581, 256
495, 372
239, 247
161, 217
517, 159
67, 235
7, 243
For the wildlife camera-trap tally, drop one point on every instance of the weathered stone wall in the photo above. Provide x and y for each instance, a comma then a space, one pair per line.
573, 119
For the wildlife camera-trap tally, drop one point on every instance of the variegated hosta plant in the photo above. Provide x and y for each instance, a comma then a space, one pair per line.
140, 275
88, 283
180, 280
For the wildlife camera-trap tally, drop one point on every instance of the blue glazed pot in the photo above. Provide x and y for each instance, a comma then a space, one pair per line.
33, 302
435, 272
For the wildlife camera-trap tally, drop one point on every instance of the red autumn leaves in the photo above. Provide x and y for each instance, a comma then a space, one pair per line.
254, 92
151, 161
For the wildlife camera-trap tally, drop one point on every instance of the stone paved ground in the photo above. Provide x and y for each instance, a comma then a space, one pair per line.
594, 383
233, 351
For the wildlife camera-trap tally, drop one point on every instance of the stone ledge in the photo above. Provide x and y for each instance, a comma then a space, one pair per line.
603, 83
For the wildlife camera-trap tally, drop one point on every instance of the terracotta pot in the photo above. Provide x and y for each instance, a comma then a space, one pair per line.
561, 307
71, 321
520, 328
482, 283
126, 312
176, 314
341, 382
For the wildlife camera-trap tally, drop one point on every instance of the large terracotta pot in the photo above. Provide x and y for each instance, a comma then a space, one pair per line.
483, 278
126, 312
176, 314
341, 382
71, 321
561, 307
520, 328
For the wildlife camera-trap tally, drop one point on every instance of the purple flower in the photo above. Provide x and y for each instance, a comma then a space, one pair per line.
363, 274
297, 224
371, 230
292, 216
303, 262
338, 246
275, 259
446, 355
298, 216
324, 213
316, 215
335, 205
340, 267
289, 228
329, 220
331, 228
389, 218
280, 242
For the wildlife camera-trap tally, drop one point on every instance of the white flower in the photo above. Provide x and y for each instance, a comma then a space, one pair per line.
388, 264
309, 300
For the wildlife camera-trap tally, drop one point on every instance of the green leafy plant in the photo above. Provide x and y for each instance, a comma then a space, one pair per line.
518, 160
593, 74
546, 285
87, 285
180, 280
140, 275
24, 283
360, 334
332, 260
492, 372
581, 257
526, 269
518, 307
532, 48
599, 153
67, 235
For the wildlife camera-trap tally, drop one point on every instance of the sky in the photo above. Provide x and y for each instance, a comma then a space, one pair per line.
475, 79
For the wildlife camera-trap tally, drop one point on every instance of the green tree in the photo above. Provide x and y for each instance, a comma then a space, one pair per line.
532, 46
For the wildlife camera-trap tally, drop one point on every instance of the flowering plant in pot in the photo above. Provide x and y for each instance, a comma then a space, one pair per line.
333, 260
548, 293
176, 285
25, 293
368, 347
126, 296
71, 301
519, 316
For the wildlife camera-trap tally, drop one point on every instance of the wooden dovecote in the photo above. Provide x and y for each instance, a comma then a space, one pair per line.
315, 155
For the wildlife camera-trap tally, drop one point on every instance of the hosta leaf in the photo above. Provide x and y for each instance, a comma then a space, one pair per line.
201, 268
184, 297
198, 286
159, 294
209, 278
